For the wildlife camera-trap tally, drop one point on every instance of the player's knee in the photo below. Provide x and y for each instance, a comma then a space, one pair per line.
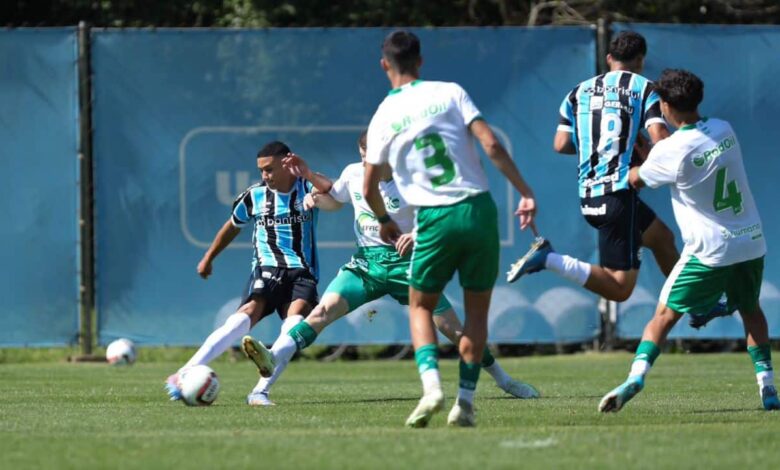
623, 293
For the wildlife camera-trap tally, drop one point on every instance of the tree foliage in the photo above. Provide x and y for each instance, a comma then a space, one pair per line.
358, 13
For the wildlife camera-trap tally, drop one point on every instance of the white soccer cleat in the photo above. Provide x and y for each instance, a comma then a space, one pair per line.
260, 355
430, 404
462, 415
519, 389
259, 399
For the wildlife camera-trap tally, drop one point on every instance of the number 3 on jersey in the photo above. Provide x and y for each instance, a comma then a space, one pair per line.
439, 158
727, 196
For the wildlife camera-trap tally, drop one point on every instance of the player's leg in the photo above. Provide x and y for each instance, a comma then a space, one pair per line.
690, 287
253, 308
743, 290
426, 355
659, 239
449, 325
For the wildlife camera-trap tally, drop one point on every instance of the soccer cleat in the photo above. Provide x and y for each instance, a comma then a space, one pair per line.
260, 355
720, 310
462, 415
614, 400
531, 262
769, 398
259, 399
172, 387
519, 389
430, 404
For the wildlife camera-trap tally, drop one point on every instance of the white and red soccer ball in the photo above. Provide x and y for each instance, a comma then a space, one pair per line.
199, 385
121, 352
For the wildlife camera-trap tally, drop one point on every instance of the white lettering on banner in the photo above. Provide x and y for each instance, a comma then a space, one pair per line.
225, 193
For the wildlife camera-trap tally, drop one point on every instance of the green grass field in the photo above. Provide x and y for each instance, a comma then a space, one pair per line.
698, 411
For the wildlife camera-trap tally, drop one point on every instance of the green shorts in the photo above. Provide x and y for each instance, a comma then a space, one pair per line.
374, 272
693, 287
462, 237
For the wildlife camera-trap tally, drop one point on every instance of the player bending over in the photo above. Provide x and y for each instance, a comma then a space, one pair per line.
284, 259
601, 120
426, 131
377, 269
724, 244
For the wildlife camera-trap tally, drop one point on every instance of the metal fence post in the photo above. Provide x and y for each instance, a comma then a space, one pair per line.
86, 216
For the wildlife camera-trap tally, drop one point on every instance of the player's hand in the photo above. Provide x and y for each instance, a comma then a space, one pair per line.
310, 201
526, 210
204, 268
389, 232
296, 165
404, 244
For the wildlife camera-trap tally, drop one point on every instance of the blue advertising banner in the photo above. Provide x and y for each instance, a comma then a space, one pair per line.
739, 67
179, 118
39, 172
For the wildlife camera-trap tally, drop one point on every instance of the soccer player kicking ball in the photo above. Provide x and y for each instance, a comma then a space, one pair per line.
724, 244
600, 122
377, 269
426, 131
284, 259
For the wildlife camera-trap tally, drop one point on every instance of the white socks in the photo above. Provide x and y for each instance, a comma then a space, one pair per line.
498, 374
639, 367
765, 378
431, 381
568, 267
234, 328
283, 350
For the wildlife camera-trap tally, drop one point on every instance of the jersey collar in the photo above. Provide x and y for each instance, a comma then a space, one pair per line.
692, 126
403, 87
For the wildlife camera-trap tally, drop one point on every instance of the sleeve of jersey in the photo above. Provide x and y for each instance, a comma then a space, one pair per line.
242, 209
340, 190
652, 108
566, 123
467, 107
660, 168
376, 142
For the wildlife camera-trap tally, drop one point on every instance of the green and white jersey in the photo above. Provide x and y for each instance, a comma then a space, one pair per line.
422, 130
349, 188
711, 197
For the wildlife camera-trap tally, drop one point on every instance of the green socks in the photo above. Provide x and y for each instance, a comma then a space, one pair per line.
469, 375
427, 358
487, 358
761, 356
303, 335
646, 354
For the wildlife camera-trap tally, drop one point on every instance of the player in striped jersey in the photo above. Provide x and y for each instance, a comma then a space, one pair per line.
284, 259
601, 120
377, 269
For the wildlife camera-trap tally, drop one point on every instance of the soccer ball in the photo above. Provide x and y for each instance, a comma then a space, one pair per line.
199, 385
121, 352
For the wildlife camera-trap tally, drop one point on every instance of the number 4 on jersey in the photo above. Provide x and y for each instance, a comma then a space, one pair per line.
727, 196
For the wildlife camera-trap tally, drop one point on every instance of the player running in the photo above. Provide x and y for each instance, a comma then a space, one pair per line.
724, 244
284, 260
377, 269
601, 119
426, 131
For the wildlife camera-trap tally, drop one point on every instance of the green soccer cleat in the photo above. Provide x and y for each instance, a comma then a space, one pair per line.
519, 389
614, 400
462, 415
260, 355
430, 404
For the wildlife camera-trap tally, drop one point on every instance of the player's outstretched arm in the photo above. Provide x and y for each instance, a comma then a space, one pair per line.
325, 202
526, 209
562, 143
222, 239
298, 167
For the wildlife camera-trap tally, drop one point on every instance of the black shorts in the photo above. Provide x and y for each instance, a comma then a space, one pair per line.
278, 287
621, 218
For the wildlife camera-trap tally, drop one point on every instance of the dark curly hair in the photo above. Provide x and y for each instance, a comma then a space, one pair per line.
681, 89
